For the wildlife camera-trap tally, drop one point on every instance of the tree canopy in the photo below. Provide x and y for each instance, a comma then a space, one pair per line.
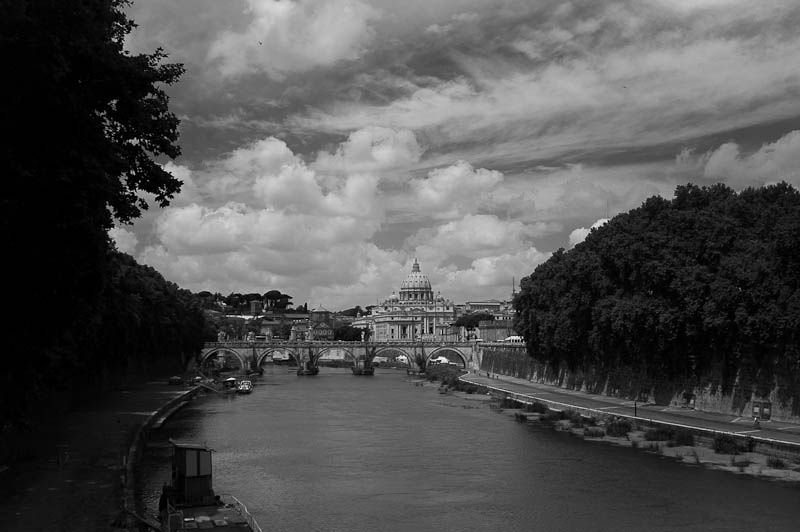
470, 321
89, 126
700, 290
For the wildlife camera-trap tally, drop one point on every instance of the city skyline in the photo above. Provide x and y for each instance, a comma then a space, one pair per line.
326, 145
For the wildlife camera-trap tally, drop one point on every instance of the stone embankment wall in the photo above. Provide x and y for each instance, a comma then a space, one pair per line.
703, 437
515, 362
154, 420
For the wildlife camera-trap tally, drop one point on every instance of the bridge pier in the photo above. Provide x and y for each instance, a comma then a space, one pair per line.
252, 354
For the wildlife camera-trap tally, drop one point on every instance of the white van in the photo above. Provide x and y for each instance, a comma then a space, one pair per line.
514, 340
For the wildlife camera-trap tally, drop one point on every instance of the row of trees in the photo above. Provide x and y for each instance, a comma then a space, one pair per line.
237, 302
89, 124
698, 290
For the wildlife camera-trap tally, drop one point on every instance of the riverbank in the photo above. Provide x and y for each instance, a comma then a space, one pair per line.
75, 475
688, 437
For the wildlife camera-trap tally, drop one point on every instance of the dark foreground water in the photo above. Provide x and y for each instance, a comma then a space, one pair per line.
342, 453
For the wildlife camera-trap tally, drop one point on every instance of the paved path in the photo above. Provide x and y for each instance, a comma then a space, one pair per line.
774, 430
82, 493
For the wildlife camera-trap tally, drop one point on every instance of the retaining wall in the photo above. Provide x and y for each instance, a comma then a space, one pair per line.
137, 444
515, 362
767, 446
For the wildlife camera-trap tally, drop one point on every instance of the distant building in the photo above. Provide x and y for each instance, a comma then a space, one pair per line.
413, 315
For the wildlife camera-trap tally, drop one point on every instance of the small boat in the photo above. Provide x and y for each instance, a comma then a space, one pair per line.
244, 387
230, 384
189, 502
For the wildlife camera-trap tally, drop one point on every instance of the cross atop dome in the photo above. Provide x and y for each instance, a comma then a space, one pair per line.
415, 267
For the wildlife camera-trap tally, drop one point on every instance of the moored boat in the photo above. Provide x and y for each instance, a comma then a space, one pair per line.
230, 384
244, 387
189, 502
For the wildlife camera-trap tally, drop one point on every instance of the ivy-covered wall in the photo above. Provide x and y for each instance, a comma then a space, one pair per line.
515, 362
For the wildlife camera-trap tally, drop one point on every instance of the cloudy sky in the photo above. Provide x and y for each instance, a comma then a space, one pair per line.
326, 144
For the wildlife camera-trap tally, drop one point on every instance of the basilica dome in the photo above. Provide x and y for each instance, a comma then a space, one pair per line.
416, 286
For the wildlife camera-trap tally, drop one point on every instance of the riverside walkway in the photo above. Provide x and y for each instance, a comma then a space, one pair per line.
770, 432
71, 479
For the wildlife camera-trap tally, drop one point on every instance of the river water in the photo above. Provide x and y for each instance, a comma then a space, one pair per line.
336, 452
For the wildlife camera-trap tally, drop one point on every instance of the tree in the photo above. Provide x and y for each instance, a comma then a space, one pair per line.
347, 333
699, 290
470, 321
88, 123
353, 312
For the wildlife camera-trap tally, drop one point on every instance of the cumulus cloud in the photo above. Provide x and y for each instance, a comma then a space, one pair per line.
285, 36
124, 239
579, 235
476, 133
777, 161
453, 191
489, 277
472, 236
372, 148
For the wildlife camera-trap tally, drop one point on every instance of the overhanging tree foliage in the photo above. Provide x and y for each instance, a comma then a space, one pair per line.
86, 122
699, 290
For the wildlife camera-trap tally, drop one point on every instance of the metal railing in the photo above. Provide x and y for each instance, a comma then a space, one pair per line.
243, 511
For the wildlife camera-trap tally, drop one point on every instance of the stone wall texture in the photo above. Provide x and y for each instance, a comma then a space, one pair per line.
514, 361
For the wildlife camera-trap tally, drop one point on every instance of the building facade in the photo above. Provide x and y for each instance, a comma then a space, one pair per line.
415, 314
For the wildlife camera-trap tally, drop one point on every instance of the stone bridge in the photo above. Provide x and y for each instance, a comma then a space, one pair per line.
252, 355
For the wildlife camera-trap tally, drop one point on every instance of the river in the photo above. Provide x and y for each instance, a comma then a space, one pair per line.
336, 452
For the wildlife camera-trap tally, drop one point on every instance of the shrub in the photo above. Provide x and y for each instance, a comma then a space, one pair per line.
725, 444
574, 417
537, 407
684, 437
748, 446
776, 463
593, 432
658, 434
508, 403
552, 416
618, 428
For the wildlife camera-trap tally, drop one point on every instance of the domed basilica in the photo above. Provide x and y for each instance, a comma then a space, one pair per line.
414, 314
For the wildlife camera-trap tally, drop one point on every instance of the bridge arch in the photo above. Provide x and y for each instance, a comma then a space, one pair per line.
283, 350
214, 352
449, 353
348, 353
390, 349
